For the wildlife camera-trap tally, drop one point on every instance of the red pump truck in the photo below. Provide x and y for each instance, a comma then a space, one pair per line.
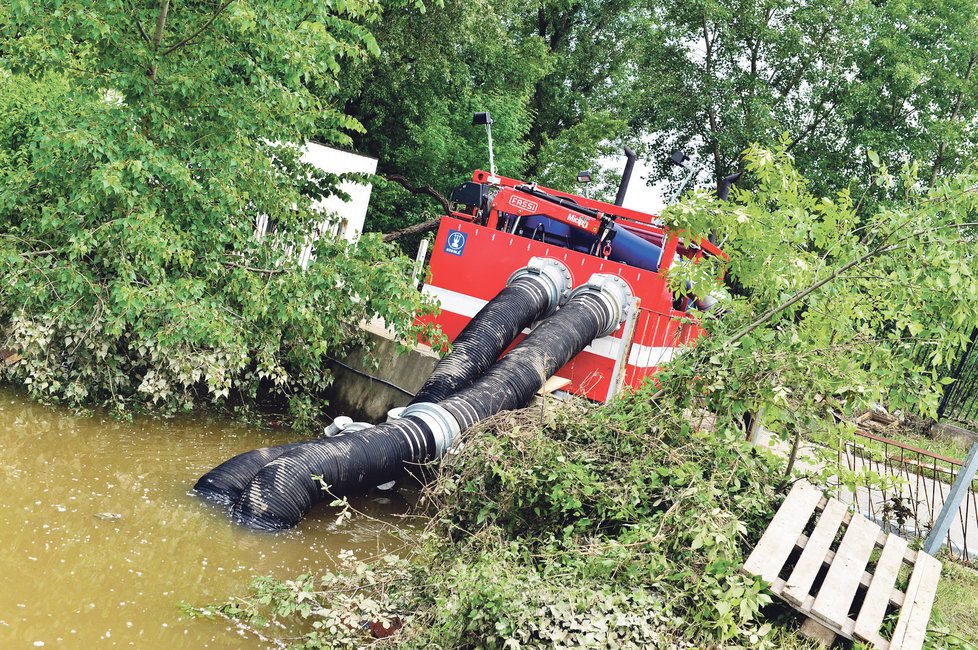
498, 224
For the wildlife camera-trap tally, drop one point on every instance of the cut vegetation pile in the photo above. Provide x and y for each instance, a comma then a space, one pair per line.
611, 527
574, 526
614, 527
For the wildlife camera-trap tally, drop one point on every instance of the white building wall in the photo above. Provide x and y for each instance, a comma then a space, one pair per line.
336, 161
343, 219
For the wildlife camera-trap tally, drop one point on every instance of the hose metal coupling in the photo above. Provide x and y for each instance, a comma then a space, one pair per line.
443, 424
554, 277
615, 293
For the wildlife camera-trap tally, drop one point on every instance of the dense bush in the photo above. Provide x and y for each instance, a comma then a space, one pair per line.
640, 516
138, 147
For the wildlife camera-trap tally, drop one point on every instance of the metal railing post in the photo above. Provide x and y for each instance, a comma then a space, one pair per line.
419, 262
962, 484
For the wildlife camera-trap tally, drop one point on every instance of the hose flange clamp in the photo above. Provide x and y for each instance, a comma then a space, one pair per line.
553, 275
443, 425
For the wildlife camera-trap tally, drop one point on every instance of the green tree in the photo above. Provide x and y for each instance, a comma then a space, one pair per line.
916, 96
139, 143
555, 76
437, 66
837, 77
837, 310
581, 109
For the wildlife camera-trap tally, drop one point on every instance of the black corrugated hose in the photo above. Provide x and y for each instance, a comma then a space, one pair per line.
511, 383
283, 491
485, 337
225, 482
531, 293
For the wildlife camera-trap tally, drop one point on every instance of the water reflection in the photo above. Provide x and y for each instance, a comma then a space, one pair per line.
101, 539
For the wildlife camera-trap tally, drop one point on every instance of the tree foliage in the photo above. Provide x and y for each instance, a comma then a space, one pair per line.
835, 310
838, 77
580, 109
570, 82
139, 142
437, 66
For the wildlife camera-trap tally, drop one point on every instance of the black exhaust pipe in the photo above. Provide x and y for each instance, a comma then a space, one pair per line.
724, 191
626, 176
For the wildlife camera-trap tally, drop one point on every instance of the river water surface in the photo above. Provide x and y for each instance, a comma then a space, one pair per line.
100, 539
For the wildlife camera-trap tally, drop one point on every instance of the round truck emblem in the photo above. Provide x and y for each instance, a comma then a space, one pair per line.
455, 242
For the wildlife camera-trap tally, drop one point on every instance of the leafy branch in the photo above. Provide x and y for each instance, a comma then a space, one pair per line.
139, 24
198, 32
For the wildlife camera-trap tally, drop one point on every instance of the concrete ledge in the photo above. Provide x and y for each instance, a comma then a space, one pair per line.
954, 433
365, 393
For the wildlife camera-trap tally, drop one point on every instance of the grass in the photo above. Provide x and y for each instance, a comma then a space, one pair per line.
939, 446
954, 620
788, 638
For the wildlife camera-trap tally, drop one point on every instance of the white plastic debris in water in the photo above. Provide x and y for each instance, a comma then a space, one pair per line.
337, 426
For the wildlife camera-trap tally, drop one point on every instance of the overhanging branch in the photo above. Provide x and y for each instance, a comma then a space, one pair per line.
200, 31
425, 226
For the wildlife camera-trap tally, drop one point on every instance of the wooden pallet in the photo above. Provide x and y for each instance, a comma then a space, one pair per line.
828, 603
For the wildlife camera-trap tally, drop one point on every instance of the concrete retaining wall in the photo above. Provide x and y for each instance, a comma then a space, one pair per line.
366, 393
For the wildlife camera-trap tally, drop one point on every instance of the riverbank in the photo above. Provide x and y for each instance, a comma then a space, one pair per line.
569, 524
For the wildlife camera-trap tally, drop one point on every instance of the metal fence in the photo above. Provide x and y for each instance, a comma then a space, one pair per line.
911, 504
960, 400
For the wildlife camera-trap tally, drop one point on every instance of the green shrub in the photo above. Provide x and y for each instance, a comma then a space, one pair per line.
132, 173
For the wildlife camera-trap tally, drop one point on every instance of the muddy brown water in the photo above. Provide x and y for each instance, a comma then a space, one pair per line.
100, 539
